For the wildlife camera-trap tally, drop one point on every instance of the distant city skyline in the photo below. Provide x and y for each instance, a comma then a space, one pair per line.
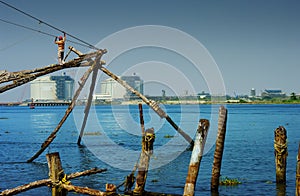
255, 44
45, 88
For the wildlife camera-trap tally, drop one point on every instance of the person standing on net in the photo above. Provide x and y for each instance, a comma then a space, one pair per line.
61, 48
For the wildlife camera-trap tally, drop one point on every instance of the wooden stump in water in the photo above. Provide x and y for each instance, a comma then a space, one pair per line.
298, 173
216, 169
55, 172
196, 157
147, 150
281, 153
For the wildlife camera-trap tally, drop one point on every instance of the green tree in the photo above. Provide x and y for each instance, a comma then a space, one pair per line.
293, 96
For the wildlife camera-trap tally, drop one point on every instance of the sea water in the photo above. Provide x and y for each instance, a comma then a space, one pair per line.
112, 140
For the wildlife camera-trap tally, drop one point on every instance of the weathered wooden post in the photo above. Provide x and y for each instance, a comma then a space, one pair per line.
298, 173
281, 153
147, 150
142, 118
110, 189
196, 157
216, 169
55, 173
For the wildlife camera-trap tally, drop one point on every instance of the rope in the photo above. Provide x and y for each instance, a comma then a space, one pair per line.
129, 179
49, 25
38, 31
280, 148
157, 109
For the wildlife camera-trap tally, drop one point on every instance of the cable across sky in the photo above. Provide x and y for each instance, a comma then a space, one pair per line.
47, 24
38, 31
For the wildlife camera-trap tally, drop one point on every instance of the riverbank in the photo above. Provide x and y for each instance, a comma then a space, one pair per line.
168, 102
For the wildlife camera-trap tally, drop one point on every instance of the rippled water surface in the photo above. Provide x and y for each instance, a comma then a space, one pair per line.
112, 141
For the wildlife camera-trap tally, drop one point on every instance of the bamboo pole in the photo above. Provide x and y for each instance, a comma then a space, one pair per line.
281, 153
151, 103
142, 119
196, 157
26, 187
55, 173
52, 136
25, 76
47, 182
216, 169
85, 173
82, 190
147, 150
92, 87
89, 102
298, 173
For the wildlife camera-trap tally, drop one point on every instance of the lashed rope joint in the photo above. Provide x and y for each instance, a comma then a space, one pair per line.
157, 109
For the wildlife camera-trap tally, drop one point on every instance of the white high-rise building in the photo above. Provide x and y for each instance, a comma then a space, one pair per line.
110, 90
43, 88
52, 88
252, 92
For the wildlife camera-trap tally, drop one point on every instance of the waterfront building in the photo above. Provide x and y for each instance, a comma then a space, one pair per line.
252, 92
272, 93
135, 82
110, 90
52, 88
64, 87
203, 95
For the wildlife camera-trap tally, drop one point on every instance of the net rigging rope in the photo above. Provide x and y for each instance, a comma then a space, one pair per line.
49, 25
38, 31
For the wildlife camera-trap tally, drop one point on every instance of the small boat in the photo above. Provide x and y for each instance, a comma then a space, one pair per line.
31, 105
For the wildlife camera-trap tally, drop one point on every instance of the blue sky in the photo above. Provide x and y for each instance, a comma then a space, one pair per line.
256, 44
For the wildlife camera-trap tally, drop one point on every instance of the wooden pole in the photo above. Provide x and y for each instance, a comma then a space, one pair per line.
298, 173
48, 182
281, 153
82, 190
196, 157
52, 136
88, 105
89, 102
147, 150
26, 187
23, 77
142, 119
151, 103
55, 173
216, 169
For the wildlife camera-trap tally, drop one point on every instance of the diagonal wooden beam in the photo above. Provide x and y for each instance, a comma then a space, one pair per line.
25, 76
151, 103
52, 136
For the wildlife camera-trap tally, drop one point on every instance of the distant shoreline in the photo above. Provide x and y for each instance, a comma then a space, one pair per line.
181, 102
